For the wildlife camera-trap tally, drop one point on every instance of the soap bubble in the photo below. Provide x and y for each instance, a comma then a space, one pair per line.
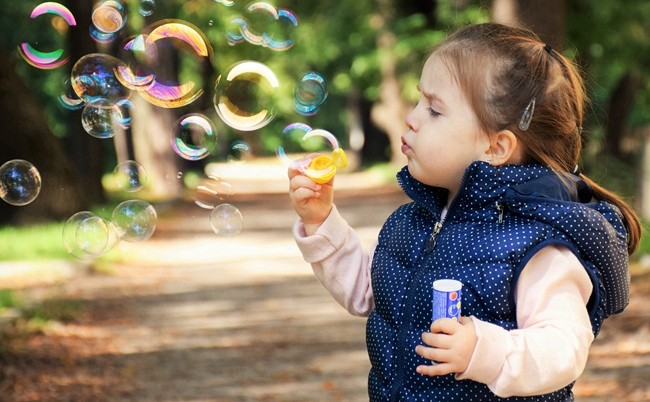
86, 235
293, 146
227, 3
92, 235
212, 192
190, 40
244, 95
99, 117
309, 94
147, 7
239, 153
101, 37
226, 220
93, 78
134, 220
193, 137
20, 182
278, 35
130, 176
53, 59
109, 16
264, 25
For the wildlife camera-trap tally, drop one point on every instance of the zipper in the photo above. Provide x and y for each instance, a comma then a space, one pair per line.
431, 241
500, 209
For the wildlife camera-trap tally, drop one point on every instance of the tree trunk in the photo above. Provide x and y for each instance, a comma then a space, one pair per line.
26, 135
620, 104
86, 152
546, 18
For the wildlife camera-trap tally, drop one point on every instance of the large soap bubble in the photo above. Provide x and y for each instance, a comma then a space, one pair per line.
99, 118
244, 95
134, 220
20, 182
53, 59
93, 78
309, 94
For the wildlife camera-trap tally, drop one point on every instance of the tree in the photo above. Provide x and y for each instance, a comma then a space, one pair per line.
26, 135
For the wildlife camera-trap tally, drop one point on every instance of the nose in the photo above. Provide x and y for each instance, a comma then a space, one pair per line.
411, 121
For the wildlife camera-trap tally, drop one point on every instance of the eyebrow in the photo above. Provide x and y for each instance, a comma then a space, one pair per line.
431, 96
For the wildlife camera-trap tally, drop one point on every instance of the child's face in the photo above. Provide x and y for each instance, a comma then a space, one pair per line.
444, 136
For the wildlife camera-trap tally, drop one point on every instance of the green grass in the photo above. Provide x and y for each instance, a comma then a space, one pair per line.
38, 242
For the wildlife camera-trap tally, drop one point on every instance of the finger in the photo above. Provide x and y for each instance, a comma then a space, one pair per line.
445, 325
437, 340
439, 355
304, 182
302, 194
434, 369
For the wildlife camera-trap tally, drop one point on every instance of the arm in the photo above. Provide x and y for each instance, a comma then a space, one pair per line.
550, 348
339, 262
330, 245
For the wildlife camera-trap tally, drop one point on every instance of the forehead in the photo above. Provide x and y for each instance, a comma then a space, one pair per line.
438, 78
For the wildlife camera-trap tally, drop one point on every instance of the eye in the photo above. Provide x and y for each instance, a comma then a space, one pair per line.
433, 112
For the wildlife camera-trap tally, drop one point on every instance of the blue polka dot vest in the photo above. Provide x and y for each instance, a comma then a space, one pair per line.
498, 220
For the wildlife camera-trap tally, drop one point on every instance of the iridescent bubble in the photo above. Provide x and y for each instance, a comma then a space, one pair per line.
264, 25
189, 39
193, 137
123, 118
109, 16
278, 36
69, 99
92, 235
309, 94
227, 3
47, 60
244, 95
20, 182
226, 220
130, 176
147, 7
93, 77
99, 118
239, 153
134, 220
292, 138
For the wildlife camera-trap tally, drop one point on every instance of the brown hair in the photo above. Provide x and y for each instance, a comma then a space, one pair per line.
500, 69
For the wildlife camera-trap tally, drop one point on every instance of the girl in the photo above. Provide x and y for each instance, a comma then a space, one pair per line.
498, 204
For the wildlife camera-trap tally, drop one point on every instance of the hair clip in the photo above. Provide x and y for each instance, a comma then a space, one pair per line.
527, 117
548, 48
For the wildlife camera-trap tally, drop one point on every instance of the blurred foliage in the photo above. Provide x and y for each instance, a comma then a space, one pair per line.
39, 242
339, 39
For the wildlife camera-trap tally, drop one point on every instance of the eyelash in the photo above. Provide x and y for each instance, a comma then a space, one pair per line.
433, 112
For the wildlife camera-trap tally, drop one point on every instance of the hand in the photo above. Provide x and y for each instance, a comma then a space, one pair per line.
452, 344
312, 201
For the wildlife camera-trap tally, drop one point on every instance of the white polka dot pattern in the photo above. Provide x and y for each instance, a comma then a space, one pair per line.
485, 247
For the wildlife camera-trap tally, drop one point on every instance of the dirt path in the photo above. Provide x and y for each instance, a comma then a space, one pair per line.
196, 317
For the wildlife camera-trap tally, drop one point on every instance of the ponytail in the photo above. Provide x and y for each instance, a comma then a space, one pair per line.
630, 219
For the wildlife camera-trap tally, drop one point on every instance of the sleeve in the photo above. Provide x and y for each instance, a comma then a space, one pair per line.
549, 349
339, 262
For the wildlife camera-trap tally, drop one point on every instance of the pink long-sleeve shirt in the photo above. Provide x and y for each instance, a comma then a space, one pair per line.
548, 350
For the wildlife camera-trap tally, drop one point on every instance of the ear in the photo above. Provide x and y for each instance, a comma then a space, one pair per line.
504, 148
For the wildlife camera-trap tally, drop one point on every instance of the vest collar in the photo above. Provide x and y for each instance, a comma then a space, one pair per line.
483, 184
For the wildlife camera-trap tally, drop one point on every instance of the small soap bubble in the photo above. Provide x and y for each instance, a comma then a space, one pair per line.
244, 95
226, 220
100, 117
134, 220
193, 137
309, 94
239, 153
130, 176
20, 182
147, 7
109, 16
212, 192
227, 3
179, 175
92, 235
